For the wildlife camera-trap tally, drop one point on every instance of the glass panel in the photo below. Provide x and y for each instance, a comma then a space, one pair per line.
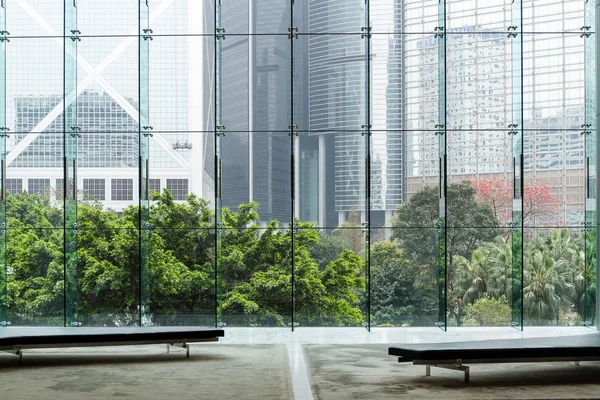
182, 82
3, 135
108, 17
108, 85
257, 272
218, 138
71, 132
330, 167
394, 17
480, 175
256, 167
543, 16
108, 262
404, 277
35, 18
326, 17
479, 276
145, 134
516, 126
442, 103
187, 172
34, 117
554, 276
256, 83
590, 134
466, 17
553, 80
182, 17
182, 279
35, 271
329, 275
333, 90
263, 17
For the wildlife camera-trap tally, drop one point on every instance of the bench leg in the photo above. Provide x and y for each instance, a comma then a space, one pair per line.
454, 367
576, 362
168, 348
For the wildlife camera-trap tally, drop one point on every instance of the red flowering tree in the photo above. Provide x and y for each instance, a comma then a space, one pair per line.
540, 207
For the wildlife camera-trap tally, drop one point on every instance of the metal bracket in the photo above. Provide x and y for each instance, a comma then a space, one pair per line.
292, 34
75, 33
585, 30
512, 34
293, 130
221, 130
4, 134
76, 131
366, 29
368, 131
439, 29
148, 33
148, 128
220, 33
365, 227
4, 34
439, 126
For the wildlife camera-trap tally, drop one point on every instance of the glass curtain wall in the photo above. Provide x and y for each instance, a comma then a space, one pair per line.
296, 163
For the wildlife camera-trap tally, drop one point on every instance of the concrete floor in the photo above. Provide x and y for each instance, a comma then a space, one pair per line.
291, 342
295, 340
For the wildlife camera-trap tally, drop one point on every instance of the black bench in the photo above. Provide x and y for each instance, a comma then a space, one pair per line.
456, 355
15, 340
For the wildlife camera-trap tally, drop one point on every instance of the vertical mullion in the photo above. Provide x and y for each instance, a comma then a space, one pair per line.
368, 166
144, 128
293, 167
442, 268
70, 135
3, 134
516, 132
590, 137
218, 172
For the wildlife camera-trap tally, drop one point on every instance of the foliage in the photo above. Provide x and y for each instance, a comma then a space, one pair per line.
256, 278
487, 311
540, 207
402, 292
255, 274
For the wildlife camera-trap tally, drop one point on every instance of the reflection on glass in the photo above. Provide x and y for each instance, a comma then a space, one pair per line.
194, 163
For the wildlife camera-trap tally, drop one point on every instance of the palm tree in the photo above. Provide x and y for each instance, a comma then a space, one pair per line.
468, 282
547, 286
499, 268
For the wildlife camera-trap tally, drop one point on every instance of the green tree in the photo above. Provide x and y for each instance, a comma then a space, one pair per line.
468, 222
487, 311
547, 286
402, 292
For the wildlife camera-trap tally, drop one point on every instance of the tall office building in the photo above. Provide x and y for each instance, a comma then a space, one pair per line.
337, 85
256, 109
479, 101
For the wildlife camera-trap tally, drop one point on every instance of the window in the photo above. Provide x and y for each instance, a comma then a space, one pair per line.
14, 186
121, 189
59, 189
95, 188
178, 188
154, 185
39, 186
